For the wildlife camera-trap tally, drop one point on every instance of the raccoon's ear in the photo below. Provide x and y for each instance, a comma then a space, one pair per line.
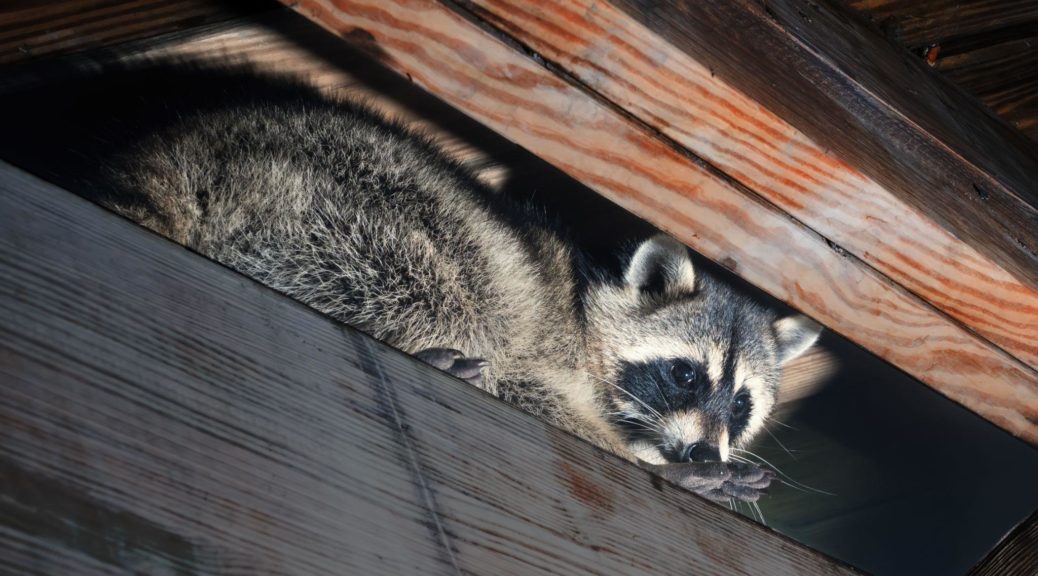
661, 265
795, 334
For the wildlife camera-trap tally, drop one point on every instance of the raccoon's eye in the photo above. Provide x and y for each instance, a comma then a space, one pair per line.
740, 407
684, 375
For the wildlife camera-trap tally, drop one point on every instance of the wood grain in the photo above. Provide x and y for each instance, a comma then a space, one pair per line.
876, 107
923, 22
1017, 553
162, 414
561, 123
987, 47
670, 91
33, 28
1004, 76
276, 41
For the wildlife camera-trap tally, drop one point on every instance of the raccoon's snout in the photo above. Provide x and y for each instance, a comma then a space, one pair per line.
697, 452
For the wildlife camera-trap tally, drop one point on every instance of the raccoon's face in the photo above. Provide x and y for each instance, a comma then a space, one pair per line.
692, 368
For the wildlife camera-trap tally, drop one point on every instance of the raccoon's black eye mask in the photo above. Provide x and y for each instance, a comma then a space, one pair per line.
742, 407
665, 386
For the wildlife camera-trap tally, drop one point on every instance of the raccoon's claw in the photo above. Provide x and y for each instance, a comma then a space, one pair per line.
442, 358
702, 478
455, 363
739, 492
747, 481
718, 481
750, 475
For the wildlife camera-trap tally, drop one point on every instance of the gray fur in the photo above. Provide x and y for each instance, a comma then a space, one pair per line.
372, 225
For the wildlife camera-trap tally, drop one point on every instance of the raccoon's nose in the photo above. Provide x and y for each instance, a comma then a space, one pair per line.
701, 452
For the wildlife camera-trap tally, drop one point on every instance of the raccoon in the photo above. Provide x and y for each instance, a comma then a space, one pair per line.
370, 223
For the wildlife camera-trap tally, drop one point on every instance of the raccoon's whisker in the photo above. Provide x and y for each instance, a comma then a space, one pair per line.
662, 395
775, 438
740, 459
760, 513
652, 410
783, 424
637, 419
759, 457
803, 487
788, 480
643, 425
749, 507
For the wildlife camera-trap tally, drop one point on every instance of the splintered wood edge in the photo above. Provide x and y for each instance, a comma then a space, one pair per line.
515, 95
163, 414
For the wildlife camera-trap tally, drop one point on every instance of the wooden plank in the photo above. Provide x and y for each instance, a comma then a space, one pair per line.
161, 413
1017, 553
272, 40
670, 91
33, 28
1022, 113
603, 148
989, 71
1004, 76
988, 47
876, 107
921, 23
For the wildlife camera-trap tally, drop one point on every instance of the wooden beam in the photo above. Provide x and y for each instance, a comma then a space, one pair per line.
640, 72
924, 22
877, 107
514, 94
31, 29
1017, 553
990, 49
161, 413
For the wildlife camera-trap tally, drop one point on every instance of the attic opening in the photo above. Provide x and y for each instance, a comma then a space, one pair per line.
875, 469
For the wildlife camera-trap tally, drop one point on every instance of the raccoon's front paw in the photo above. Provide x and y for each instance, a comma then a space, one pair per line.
455, 363
718, 481
747, 481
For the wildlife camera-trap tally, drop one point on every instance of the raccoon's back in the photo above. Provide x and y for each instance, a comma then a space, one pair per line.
322, 200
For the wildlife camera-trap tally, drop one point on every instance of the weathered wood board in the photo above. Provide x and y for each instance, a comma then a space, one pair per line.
34, 28
161, 414
988, 48
877, 107
513, 93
